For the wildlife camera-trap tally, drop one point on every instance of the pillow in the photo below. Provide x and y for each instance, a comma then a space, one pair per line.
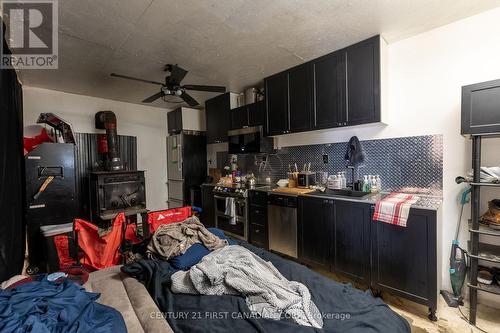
196, 252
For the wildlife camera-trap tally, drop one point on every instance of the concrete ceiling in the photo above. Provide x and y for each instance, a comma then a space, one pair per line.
235, 43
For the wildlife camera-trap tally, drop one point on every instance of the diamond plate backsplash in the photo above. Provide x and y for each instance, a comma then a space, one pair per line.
409, 164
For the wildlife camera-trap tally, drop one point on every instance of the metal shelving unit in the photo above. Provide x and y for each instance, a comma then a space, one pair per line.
476, 252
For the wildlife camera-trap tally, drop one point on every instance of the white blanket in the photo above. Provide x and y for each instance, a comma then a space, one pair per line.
234, 270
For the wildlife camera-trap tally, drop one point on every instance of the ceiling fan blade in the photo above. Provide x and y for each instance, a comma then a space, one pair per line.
135, 79
176, 75
154, 97
205, 88
188, 99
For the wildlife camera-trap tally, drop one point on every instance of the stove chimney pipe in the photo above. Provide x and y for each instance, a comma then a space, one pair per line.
107, 120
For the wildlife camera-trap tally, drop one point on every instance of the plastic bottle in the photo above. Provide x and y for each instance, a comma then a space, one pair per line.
373, 188
379, 183
365, 187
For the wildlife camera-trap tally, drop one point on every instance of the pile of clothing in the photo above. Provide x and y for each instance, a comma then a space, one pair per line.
42, 305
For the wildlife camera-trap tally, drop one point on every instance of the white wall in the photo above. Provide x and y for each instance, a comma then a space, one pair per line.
425, 76
148, 124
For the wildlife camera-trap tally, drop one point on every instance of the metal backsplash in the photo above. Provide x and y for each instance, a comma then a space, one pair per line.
409, 164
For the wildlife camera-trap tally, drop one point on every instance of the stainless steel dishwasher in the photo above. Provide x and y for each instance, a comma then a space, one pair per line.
282, 219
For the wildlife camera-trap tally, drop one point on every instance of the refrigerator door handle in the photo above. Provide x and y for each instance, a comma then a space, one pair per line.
179, 157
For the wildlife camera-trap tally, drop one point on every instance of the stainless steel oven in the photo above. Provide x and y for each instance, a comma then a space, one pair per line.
237, 225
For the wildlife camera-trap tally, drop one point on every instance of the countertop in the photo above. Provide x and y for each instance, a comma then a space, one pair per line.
425, 201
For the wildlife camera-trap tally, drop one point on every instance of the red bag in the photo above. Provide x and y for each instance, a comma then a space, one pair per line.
174, 215
100, 252
131, 233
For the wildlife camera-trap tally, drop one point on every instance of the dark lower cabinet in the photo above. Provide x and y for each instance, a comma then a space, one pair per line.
351, 244
257, 216
315, 231
207, 206
404, 260
340, 236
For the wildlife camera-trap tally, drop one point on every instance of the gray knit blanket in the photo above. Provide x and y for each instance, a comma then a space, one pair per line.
234, 270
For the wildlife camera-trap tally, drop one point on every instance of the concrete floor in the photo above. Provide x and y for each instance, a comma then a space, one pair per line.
449, 319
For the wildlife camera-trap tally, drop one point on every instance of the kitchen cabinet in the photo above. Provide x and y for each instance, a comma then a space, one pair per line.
257, 114
315, 231
342, 88
480, 108
174, 121
277, 104
257, 216
218, 118
239, 117
363, 82
300, 92
404, 259
351, 243
207, 205
248, 115
330, 91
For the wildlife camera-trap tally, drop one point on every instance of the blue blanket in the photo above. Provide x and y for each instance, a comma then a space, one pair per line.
55, 307
195, 252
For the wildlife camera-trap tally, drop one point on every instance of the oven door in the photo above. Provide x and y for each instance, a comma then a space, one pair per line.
237, 227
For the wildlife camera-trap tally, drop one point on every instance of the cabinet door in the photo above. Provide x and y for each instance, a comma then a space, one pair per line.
315, 231
404, 259
174, 119
277, 104
257, 114
363, 82
207, 206
217, 118
300, 90
330, 87
239, 117
352, 240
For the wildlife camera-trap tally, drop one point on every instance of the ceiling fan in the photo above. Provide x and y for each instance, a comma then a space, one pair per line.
172, 85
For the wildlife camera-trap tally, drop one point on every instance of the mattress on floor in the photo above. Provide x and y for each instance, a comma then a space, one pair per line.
130, 298
344, 308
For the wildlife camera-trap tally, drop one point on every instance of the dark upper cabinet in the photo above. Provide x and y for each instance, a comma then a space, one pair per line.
351, 244
174, 120
239, 117
363, 82
218, 118
300, 91
404, 259
257, 114
330, 87
480, 114
277, 104
314, 231
248, 115
339, 89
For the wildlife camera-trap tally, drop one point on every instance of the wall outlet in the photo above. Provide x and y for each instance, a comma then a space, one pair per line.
325, 158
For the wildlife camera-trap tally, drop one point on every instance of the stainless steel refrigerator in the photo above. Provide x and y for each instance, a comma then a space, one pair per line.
186, 166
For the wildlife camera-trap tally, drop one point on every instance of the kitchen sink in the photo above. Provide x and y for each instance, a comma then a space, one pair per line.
346, 193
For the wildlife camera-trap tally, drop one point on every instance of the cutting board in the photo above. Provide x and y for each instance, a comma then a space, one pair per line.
293, 190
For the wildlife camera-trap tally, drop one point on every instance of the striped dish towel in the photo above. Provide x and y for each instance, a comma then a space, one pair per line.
394, 208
